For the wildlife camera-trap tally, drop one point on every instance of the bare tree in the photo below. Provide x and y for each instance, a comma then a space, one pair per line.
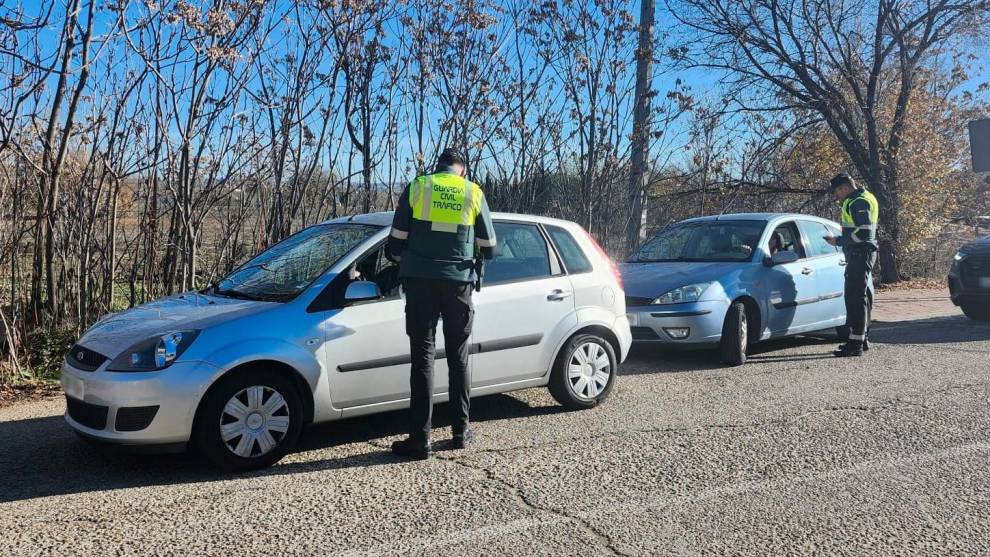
841, 61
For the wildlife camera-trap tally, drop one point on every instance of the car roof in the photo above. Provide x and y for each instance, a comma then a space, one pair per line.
764, 217
385, 219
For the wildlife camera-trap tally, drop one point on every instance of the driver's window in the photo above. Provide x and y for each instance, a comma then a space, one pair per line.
785, 238
377, 268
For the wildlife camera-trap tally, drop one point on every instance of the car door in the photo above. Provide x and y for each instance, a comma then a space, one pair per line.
525, 303
366, 350
828, 265
791, 292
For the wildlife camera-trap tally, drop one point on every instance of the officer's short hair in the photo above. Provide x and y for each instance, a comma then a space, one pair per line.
449, 157
840, 180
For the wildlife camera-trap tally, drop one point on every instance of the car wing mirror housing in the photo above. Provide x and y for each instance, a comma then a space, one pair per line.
362, 291
780, 258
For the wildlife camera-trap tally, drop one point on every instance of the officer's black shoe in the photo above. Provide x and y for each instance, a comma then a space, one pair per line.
461, 440
866, 346
849, 350
408, 448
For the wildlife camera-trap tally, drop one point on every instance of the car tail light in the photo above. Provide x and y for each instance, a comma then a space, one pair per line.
614, 268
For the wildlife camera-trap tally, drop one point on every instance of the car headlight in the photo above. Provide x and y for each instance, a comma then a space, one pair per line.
689, 293
155, 353
955, 262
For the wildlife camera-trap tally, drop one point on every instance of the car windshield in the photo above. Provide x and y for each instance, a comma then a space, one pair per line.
714, 240
287, 268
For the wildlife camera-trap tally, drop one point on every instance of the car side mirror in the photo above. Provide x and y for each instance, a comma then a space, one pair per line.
781, 258
362, 291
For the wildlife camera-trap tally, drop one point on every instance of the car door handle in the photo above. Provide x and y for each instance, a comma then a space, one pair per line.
558, 295
806, 271
842, 263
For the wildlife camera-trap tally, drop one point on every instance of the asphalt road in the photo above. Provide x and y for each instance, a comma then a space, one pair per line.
794, 453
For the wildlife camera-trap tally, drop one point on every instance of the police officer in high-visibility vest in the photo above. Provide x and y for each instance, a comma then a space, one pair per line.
441, 225
859, 216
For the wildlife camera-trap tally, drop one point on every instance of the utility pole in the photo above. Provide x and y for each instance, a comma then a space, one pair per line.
641, 128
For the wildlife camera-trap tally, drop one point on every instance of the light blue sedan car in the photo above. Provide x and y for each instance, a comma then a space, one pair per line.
733, 280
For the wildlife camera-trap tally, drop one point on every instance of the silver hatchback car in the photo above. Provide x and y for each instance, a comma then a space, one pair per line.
313, 330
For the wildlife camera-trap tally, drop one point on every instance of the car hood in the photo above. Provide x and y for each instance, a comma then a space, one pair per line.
979, 247
649, 280
116, 332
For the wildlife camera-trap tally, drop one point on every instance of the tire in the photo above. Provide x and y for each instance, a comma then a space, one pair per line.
576, 381
255, 390
735, 336
976, 311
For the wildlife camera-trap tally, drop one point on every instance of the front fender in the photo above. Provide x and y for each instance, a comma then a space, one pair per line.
246, 351
305, 362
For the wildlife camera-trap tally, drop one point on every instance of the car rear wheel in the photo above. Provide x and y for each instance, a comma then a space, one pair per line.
976, 311
735, 336
584, 372
249, 420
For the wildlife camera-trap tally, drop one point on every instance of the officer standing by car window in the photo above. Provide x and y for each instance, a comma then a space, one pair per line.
859, 216
441, 225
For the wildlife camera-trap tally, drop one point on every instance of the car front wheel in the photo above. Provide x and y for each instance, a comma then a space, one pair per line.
976, 311
249, 420
735, 336
584, 372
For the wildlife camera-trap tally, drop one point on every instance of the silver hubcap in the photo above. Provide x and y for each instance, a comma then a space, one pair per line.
743, 334
589, 370
254, 421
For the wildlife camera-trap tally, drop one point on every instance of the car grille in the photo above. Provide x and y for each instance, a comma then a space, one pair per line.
135, 418
90, 415
644, 333
974, 268
83, 358
633, 301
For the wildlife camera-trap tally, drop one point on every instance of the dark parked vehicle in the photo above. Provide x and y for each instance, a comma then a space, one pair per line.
969, 279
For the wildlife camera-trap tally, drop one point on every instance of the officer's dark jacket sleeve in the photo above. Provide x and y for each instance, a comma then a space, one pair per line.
860, 211
484, 231
399, 237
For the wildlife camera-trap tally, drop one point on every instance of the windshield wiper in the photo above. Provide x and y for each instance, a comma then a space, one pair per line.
665, 260
237, 294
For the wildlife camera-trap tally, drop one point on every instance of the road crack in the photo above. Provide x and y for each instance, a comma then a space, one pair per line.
524, 503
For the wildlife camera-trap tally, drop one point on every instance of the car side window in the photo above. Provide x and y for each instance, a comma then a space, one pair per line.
377, 268
785, 238
816, 232
570, 251
520, 254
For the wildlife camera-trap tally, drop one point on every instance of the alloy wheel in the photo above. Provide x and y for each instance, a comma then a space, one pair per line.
589, 370
254, 421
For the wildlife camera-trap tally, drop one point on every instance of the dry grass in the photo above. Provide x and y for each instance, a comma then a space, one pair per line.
9, 394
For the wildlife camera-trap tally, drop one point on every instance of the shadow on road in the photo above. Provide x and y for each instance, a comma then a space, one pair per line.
936, 330
41, 457
650, 359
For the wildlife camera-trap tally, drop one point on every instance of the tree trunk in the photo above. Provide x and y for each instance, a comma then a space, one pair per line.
641, 129
889, 232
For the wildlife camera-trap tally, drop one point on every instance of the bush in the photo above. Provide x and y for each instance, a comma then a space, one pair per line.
45, 350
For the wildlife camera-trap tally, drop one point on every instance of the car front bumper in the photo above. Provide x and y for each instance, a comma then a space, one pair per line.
969, 280
146, 408
659, 323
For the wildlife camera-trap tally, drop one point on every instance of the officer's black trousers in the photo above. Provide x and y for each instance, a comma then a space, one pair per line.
426, 301
859, 267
